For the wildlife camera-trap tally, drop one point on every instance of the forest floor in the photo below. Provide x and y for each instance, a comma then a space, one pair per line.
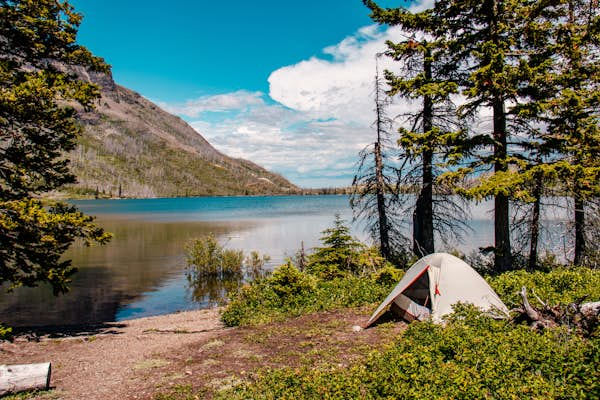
188, 353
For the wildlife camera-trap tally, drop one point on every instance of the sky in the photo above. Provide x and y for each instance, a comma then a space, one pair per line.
285, 84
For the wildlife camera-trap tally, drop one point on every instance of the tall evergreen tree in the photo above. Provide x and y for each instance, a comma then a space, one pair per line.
37, 48
424, 76
481, 37
560, 105
574, 112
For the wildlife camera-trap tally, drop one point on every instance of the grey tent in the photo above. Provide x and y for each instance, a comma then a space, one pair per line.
433, 285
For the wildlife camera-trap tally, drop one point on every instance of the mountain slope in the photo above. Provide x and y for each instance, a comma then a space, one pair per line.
132, 148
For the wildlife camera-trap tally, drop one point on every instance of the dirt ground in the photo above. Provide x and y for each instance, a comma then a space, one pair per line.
189, 352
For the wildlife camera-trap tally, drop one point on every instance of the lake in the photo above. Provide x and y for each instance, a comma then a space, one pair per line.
141, 272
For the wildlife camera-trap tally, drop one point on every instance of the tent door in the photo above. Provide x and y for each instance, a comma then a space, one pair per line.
414, 302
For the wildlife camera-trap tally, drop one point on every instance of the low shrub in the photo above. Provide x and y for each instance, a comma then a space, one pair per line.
472, 357
388, 275
288, 283
290, 293
560, 285
5, 332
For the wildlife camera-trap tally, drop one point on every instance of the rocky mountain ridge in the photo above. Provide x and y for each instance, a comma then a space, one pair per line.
130, 147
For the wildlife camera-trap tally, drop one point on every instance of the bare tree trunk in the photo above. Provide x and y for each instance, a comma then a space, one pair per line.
423, 241
502, 259
579, 228
384, 240
535, 221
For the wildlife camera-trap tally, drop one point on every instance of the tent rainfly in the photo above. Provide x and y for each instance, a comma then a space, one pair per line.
433, 284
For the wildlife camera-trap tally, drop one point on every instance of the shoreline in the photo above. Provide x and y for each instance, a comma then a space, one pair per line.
183, 318
113, 362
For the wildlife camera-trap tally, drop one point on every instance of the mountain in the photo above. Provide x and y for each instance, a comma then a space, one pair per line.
132, 148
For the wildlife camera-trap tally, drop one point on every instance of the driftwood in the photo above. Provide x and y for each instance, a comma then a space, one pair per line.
18, 378
583, 317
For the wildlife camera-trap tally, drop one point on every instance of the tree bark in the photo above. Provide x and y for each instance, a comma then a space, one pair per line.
535, 221
384, 240
579, 229
502, 259
423, 240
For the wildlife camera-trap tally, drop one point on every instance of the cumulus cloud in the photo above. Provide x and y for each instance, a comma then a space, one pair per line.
235, 101
340, 87
316, 117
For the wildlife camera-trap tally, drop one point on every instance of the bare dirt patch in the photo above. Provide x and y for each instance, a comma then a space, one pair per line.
191, 354
115, 362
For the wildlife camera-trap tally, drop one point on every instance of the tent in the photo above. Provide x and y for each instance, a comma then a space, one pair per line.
433, 284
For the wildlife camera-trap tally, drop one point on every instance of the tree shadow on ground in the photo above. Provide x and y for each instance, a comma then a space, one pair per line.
35, 333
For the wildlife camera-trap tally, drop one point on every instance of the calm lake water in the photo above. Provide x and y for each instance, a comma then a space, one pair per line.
141, 272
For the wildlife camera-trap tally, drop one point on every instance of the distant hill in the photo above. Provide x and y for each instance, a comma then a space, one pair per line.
132, 148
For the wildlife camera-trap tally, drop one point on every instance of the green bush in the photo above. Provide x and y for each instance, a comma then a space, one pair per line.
561, 285
388, 275
290, 293
288, 283
207, 258
472, 357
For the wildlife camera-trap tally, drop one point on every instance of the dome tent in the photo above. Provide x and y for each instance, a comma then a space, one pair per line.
433, 285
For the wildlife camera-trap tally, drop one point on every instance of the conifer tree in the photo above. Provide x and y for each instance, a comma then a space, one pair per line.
37, 49
424, 76
560, 105
574, 112
481, 37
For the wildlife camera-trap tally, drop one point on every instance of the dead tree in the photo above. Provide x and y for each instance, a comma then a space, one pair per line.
582, 317
374, 198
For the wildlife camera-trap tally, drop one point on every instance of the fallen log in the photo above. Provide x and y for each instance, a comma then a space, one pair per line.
583, 317
18, 378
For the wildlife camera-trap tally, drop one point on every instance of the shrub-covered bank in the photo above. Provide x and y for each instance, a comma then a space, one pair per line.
472, 357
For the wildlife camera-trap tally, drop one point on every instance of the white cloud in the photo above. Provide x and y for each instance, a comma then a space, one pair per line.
235, 101
340, 87
321, 117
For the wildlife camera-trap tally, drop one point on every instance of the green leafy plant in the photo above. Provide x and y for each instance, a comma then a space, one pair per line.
472, 357
560, 285
5, 332
207, 258
289, 293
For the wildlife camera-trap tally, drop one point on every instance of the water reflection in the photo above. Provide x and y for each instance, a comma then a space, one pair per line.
141, 257
213, 291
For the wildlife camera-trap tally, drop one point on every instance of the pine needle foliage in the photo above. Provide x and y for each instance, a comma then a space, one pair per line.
37, 48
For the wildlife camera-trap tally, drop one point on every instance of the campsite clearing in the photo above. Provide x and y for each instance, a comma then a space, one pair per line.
139, 358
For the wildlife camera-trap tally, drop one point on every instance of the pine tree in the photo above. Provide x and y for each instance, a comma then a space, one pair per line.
481, 37
575, 111
560, 106
424, 76
37, 49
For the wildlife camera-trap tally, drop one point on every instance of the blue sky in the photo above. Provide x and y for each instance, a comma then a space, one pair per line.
286, 84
